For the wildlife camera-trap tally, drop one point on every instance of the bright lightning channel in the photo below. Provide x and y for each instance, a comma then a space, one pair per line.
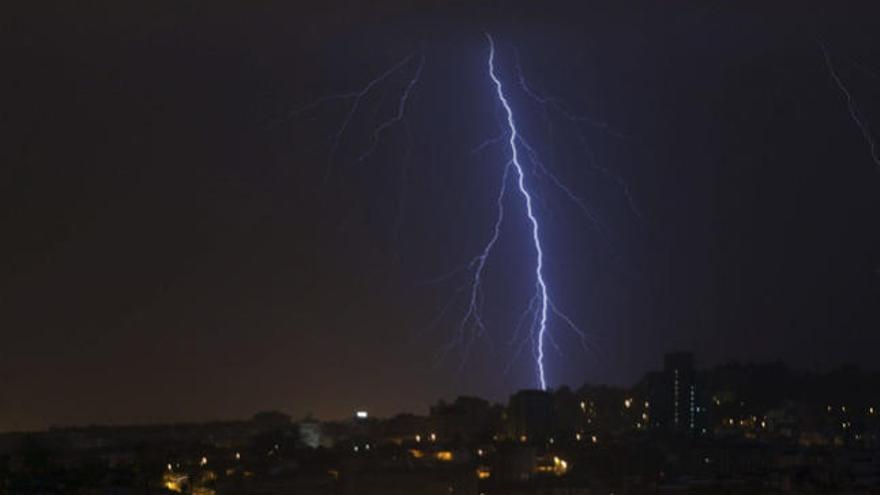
540, 304
543, 299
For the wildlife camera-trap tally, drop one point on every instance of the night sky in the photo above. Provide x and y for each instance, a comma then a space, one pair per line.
173, 248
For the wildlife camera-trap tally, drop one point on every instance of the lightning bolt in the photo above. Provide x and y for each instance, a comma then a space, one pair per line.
536, 317
355, 100
851, 106
478, 264
548, 103
540, 304
401, 111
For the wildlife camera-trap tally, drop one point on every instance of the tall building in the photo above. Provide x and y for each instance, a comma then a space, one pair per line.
468, 418
674, 398
530, 415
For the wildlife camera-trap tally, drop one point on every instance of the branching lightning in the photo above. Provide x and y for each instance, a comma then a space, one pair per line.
540, 284
851, 106
533, 326
478, 264
552, 103
540, 304
401, 111
534, 323
355, 99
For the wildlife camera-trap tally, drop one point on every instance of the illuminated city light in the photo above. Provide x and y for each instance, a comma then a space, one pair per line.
361, 414
174, 482
560, 466
443, 455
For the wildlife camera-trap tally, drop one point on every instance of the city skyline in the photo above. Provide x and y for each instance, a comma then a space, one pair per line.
676, 374
759, 428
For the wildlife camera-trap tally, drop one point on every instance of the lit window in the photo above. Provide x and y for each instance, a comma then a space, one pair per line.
560, 466
443, 455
